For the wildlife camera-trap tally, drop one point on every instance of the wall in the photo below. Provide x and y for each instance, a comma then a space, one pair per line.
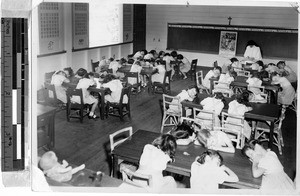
159, 15
77, 59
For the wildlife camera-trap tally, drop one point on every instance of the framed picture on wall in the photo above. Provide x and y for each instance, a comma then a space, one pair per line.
228, 40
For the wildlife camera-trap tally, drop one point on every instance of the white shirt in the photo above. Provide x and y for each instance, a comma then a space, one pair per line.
57, 79
212, 104
237, 109
168, 59
159, 77
253, 52
114, 65
116, 89
206, 81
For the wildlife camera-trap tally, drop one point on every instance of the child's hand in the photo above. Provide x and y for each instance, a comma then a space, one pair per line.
65, 163
250, 108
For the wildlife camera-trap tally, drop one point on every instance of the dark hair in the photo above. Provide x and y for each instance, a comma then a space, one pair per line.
81, 72
219, 68
263, 74
87, 75
167, 54
243, 98
161, 53
271, 64
152, 51
145, 51
273, 74
60, 71
260, 63
251, 43
183, 131
233, 60
249, 145
174, 53
280, 62
137, 63
108, 78
179, 57
219, 95
233, 73
70, 70
111, 59
122, 61
194, 86
210, 153
167, 143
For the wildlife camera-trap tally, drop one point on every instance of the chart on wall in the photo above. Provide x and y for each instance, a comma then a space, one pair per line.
80, 25
50, 28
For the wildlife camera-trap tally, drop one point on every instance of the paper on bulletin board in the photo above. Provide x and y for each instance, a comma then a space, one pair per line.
228, 40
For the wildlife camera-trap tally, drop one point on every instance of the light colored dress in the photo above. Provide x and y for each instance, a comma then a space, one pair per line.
185, 66
159, 77
206, 81
148, 56
287, 95
238, 109
57, 80
214, 105
254, 82
137, 55
253, 52
206, 177
114, 65
184, 95
274, 178
84, 84
168, 59
138, 69
292, 77
223, 88
152, 162
59, 173
115, 87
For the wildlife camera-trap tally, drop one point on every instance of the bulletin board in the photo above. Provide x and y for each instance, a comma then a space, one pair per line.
51, 28
80, 22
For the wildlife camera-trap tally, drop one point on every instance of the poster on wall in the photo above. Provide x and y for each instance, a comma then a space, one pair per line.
228, 40
80, 25
50, 28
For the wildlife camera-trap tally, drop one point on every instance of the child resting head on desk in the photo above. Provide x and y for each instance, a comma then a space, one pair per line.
266, 163
56, 171
185, 133
207, 172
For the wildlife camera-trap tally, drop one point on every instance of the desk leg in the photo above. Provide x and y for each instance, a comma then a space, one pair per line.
115, 166
149, 84
102, 103
271, 135
276, 97
183, 112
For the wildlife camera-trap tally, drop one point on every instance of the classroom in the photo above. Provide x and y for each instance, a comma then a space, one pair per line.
203, 88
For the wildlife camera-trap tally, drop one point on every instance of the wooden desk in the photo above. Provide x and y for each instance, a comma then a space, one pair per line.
260, 112
84, 178
132, 148
45, 126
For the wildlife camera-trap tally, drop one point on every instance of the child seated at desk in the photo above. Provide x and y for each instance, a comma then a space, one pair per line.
213, 104
235, 64
188, 95
69, 72
287, 72
136, 67
154, 160
58, 78
287, 95
115, 85
272, 68
56, 171
115, 65
254, 83
216, 72
266, 163
159, 71
208, 171
185, 133
84, 84
239, 107
224, 83
78, 76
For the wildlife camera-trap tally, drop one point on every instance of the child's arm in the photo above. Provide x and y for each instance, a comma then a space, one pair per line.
65, 163
228, 148
232, 177
257, 171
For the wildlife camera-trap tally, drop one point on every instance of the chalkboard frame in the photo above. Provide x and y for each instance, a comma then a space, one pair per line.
274, 42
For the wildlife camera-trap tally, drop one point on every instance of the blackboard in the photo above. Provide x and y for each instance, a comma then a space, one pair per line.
274, 42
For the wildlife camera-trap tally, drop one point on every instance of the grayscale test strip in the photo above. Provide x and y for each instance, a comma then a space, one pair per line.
14, 49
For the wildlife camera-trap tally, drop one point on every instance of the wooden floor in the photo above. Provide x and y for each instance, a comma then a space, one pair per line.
88, 142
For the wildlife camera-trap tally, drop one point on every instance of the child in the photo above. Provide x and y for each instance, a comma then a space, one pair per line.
58, 78
214, 104
78, 76
189, 95
158, 73
168, 58
253, 82
207, 172
216, 72
84, 84
114, 65
136, 67
272, 68
266, 163
161, 54
155, 158
69, 72
140, 55
185, 133
151, 55
224, 83
56, 171
287, 72
184, 65
286, 96
239, 107
115, 85
215, 140
235, 64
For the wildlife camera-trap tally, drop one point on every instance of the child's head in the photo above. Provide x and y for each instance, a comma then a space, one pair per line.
217, 71
48, 160
250, 148
193, 90
122, 61
174, 54
108, 78
234, 60
137, 63
69, 71
233, 74
161, 53
90, 75
81, 72
210, 157
183, 131
61, 73
167, 143
179, 57
274, 76
219, 95
243, 98
281, 64
203, 136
